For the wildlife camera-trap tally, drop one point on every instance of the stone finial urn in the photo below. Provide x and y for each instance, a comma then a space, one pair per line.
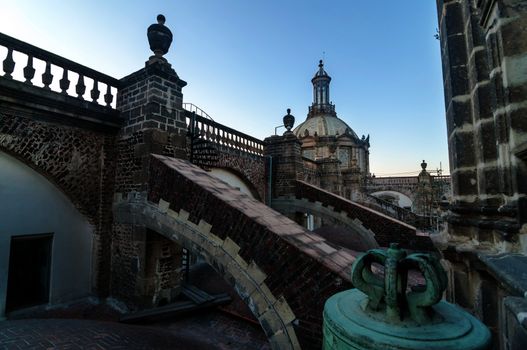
385, 312
159, 37
289, 120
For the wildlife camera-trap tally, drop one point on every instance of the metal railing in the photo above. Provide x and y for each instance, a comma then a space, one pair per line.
49, 61
191, 107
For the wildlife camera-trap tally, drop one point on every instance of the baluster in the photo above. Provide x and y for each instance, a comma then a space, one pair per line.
47, 77
80, 88
198, 129
211, 133
64, 82
29, 71
9, 64
108, 97
95, 93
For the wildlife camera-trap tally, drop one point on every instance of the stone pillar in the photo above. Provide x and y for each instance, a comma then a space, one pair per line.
151, 98
330, 176
424, 197
150, 101
485, 81
285, 155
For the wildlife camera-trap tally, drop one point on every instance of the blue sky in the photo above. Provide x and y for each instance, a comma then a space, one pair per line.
247, 61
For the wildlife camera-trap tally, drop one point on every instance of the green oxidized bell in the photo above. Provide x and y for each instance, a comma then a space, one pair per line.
385, 313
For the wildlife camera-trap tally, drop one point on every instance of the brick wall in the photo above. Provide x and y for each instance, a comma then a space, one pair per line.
80, 163
251, 168
150, 101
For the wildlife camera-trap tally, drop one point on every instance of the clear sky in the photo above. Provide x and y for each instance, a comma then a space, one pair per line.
247, 61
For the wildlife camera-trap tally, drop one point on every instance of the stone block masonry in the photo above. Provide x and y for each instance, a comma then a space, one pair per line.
485, 81
287, 166
152, 98
146, 268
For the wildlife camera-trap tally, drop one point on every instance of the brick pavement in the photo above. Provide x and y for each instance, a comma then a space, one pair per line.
39, 334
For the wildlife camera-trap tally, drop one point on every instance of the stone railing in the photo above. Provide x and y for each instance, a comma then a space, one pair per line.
50, 63
400, 181
221, 135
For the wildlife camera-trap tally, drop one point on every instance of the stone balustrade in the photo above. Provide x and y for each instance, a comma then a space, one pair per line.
50, 63
207, 129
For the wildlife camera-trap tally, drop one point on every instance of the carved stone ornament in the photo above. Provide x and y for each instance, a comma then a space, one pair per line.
289, 120
159, 37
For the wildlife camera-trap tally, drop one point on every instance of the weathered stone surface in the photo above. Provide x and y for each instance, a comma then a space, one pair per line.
515, 318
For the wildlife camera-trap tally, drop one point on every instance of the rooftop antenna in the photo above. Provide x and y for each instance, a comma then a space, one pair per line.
324, 56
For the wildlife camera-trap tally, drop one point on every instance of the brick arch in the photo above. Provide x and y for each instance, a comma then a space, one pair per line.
246, 181
408, 191
249, 167
50, 178
72, 159
274, 314
295, 205
381, 192
79, 163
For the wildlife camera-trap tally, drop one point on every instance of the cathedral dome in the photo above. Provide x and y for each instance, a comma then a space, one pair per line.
324, 125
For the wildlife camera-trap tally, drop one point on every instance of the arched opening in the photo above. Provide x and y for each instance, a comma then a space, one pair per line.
336, 227
396, 198
235, 180
248, 280
42, 234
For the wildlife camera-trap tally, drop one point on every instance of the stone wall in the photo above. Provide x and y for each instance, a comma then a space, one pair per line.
150, 100
285, 165
485, 82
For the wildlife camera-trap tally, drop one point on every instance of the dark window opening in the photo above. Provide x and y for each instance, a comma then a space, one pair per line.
29, 271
